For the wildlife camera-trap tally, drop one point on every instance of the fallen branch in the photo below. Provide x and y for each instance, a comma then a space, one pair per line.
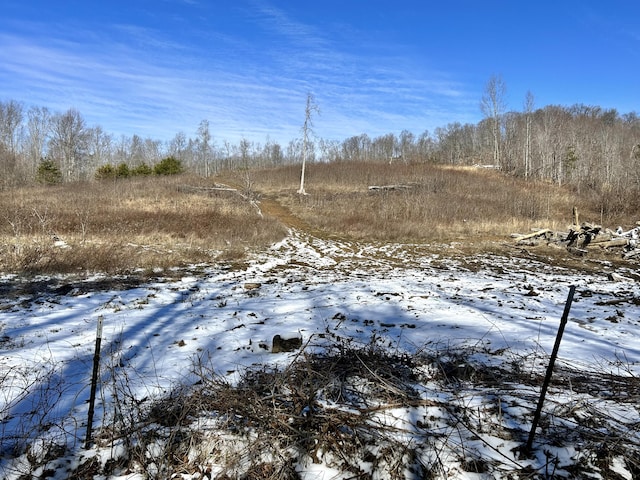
389, 187
537, 233
216, 188
221, 187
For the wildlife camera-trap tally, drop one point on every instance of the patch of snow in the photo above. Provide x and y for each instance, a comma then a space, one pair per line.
408, 300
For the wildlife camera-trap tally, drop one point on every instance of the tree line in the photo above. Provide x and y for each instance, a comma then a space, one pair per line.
585, 146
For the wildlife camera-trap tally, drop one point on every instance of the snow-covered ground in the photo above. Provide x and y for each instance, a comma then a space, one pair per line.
405, 298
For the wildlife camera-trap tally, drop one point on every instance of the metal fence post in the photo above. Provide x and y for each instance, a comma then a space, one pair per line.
552, 361
94, 383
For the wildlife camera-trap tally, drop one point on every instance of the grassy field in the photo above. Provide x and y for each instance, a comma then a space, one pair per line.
126, 226
438, 204
153, 224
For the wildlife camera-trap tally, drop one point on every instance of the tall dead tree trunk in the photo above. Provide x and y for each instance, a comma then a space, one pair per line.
493, 106
528, 106
307, 129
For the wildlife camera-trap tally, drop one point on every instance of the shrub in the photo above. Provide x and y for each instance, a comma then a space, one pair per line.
48, 173
105, 172
123, 171
142, 170
168, 166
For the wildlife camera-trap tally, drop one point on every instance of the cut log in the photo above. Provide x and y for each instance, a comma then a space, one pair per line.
602, 238
616, 242
537, 233
577, 251
614, 277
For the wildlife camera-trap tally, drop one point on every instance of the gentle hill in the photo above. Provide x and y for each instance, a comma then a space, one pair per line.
151, 224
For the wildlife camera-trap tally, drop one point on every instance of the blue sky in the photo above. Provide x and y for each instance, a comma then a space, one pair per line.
158, 67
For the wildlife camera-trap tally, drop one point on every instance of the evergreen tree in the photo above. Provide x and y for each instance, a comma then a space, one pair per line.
48, 173
168, 166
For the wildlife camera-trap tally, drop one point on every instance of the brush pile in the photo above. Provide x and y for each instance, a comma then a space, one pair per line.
580, 239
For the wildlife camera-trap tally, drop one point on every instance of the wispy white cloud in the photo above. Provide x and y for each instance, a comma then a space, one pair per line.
277, 21
134, 79
124, 90
362, 91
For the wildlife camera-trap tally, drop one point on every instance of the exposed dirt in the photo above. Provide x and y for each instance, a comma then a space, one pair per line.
271, 207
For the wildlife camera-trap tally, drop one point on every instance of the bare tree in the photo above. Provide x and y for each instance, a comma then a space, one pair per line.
122, 150
425, 146
272, 154
493, 106
38, 131
351, 148
137, 151
293, 151
384, 147
181, 148
10, 122
99, 144
528, 114
152, 150
178, 145
69, 141
329, 150
407, 145
227, 152
307, 129
245, 157
204, 146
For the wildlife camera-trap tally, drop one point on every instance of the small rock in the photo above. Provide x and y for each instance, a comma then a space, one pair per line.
280, 344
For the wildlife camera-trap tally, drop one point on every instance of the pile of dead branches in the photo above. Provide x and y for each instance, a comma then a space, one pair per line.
581, 238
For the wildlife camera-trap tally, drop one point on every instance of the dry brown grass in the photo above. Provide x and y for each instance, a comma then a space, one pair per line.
157, 223
126, 225
442, 204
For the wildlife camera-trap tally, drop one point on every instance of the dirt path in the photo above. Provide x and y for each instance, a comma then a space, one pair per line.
271, 207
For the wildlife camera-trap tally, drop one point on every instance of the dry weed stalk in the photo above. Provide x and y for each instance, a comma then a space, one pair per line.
360, 409
321, 408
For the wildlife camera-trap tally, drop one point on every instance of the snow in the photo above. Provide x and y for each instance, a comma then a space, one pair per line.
507, 309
